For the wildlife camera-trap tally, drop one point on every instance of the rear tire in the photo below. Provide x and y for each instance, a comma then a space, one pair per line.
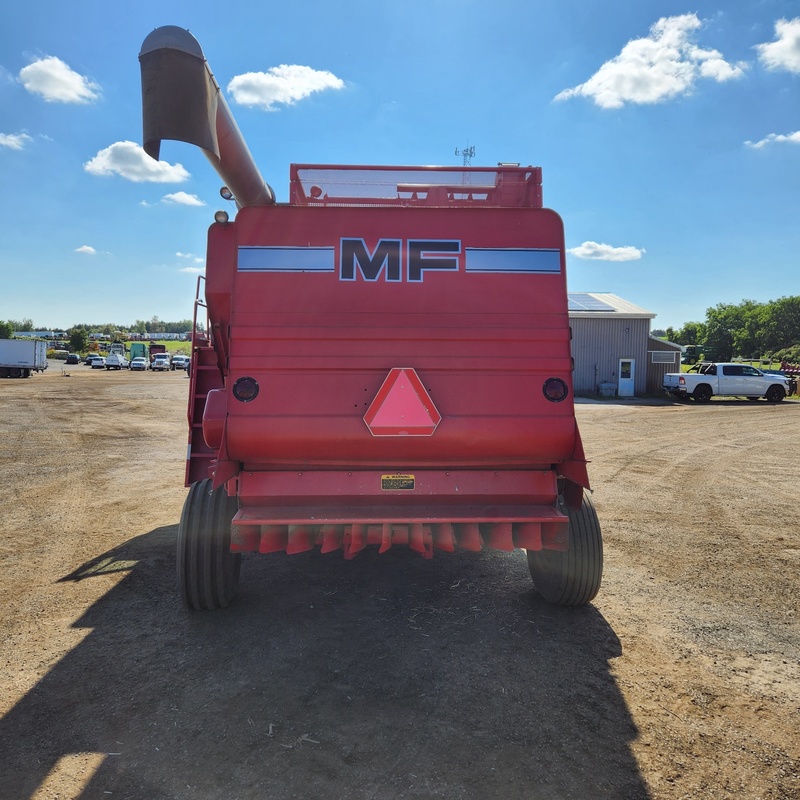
208, 573
571, 577
702, 393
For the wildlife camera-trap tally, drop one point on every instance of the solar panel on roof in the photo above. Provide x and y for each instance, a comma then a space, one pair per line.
585, 302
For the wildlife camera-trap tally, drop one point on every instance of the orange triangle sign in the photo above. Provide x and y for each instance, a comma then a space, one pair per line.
402, 407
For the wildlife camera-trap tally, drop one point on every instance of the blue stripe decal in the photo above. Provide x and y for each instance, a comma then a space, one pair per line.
515, 260
286, 259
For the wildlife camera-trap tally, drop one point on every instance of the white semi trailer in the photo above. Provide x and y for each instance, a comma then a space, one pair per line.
20, 357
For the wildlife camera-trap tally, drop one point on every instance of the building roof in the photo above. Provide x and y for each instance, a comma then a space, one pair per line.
665, 343
597, 305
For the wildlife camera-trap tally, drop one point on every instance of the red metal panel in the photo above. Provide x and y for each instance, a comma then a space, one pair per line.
320, 346
350, 488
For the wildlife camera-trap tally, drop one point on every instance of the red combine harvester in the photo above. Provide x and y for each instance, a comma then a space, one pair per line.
387, 360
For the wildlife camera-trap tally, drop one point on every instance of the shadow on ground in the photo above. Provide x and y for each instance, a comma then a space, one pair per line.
382, 677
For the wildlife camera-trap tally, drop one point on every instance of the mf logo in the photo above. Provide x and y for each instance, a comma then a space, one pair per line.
391, 256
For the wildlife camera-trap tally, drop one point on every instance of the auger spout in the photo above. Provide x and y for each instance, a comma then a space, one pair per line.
181, 100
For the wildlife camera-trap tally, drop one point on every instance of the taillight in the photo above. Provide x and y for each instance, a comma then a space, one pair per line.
555, 390
245, 389
682, 381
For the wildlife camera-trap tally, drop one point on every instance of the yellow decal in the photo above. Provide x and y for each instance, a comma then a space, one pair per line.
394, 483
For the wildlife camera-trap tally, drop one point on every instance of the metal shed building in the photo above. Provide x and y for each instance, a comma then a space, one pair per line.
612, 348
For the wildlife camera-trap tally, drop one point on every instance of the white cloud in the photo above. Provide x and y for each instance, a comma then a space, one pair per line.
605, 252
14, 141
784, 53
182, 199
86, 249
193, 270
129, 160
51, 78
285, 84
653, 69
775, 138
191, 257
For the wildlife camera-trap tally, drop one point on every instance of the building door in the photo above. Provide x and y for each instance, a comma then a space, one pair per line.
627, 374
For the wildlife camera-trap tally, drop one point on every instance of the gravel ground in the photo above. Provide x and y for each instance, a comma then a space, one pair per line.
393, 676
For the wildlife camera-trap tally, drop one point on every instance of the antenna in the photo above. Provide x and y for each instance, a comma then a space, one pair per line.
467, 153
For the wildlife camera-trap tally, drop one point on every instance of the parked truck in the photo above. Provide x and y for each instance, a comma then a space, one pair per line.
726, 380
138, 350
387, 360
20, 357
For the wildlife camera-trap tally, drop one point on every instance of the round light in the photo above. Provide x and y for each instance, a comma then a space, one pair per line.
221, 217
555, 390
245, 389
225, 193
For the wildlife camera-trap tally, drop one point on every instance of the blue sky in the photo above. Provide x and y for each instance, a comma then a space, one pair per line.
668, 134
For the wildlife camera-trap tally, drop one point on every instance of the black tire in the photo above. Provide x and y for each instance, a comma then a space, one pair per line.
702, 393
208, 573
775, 394
571, 577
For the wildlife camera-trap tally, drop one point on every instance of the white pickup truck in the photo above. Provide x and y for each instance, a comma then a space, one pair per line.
726, 380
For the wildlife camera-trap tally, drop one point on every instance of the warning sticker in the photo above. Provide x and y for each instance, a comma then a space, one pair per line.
394, 483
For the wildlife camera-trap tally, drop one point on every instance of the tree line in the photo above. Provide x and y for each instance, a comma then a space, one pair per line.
78, 336
749, 330
143, 327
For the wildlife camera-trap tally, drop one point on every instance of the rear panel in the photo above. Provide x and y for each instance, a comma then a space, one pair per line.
325, 301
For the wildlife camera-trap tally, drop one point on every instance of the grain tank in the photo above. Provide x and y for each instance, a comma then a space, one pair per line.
386, 360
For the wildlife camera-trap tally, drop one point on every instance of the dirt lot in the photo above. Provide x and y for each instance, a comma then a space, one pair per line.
392, 676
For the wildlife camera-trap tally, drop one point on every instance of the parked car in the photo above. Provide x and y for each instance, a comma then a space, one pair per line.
180, 362
97, 362
160, 362
139, 363
88, 359
73, 358
116, 361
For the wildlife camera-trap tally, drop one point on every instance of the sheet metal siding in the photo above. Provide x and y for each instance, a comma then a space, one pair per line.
656, 372
599, 344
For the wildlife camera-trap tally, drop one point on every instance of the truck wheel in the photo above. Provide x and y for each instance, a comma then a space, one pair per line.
775, 394
702, 393
208, 573
571, 577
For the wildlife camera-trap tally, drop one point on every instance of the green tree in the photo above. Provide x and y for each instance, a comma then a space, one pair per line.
6, 330
691, 333
721, 322
781, 324
21, 325
78, 339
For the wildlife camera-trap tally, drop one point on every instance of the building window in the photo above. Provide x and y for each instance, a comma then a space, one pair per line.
663, 356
